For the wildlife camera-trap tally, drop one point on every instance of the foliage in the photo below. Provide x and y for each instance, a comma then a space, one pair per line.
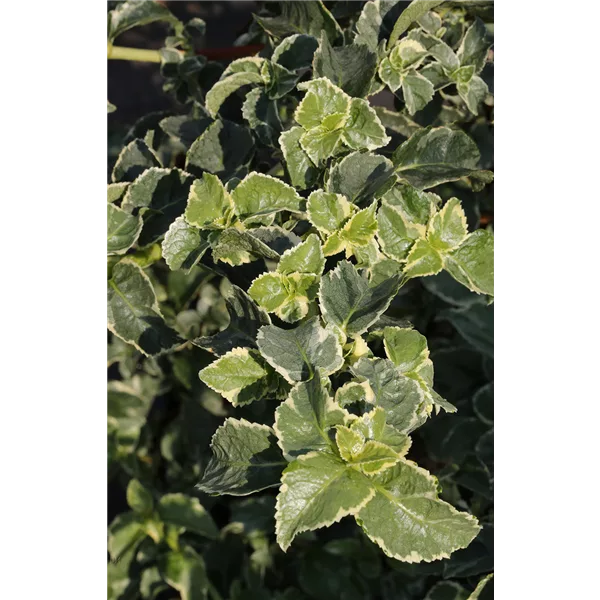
287, 261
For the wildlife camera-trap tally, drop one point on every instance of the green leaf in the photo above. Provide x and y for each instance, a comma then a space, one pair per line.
302, 421
317, 490
269, 290
224, 88
185, 129
110, 107
483, 403
416, 207
412, 13
302, 172
116, 191
322, 99
320, 143
372, 457
183, 246
397, 122
475, 324
483, 583
407, 520
209, 204
259, 195
423, 260
144, 257
240, 376
445, 56
123, 229
151, 584
447, 590
472, 263
160, 195
133, 311
349, 303
245, 320
407, 54
435, 155
185, 572
297, 353
406, 348
473, 93
363, 129
474, 46
139, 498
289, 291
301, 17
418, 91
353, 392
276, 238
135, 14
296, 51
361, 227
307, 257
328, 211
245, 459
237, 247
360, 176
124, 534
430, 22
187, 512
389, 74
222, 149
448, 227
262, 115
372, 426
351, 67
394, 233
401, 397
368, 26
279, 81
133, 160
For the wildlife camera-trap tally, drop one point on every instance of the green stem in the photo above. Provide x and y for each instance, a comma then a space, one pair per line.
139, 54
213, 593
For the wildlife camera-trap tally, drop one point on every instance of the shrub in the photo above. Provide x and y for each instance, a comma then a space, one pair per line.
287, 261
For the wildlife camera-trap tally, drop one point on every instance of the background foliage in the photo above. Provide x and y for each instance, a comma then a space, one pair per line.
166, 537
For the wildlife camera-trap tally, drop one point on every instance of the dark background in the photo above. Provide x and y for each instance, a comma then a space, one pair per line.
136, 87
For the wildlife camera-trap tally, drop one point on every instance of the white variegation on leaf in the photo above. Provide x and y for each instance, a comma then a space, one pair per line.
133, 311
240, 376
348, 302
302, 422
408, 522
353, 392
448, 228
241, 72
184, 245
317, 490
472, 263
408, 350
209, 204
303, 174
321, 100
258, 196
298, 353
245, 459
123, 229
400, 396
363, 129
289, 291
328, 211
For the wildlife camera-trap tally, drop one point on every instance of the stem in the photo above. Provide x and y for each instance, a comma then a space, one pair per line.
138, 54
212, 591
